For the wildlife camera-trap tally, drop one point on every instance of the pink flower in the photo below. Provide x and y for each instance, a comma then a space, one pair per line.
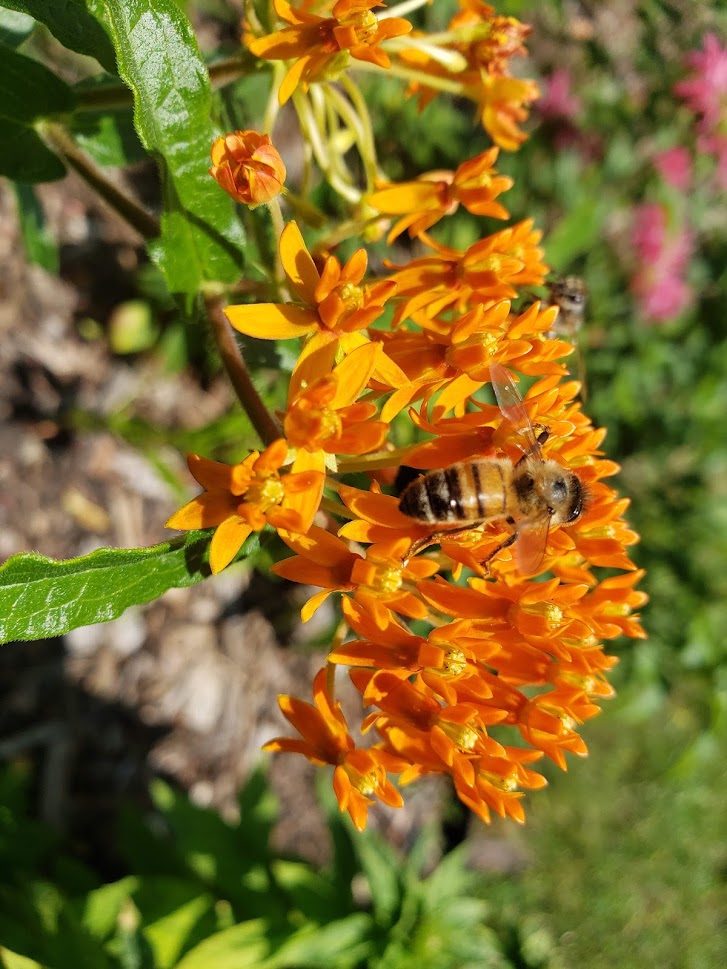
675, 167
706, 91
559, 102
659, 287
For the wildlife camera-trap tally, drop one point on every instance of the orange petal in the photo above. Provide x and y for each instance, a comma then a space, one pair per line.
227, 542
307, 501
212, 475
272, 321
405, 198
314, 603
353, 373
298, 264
204, 511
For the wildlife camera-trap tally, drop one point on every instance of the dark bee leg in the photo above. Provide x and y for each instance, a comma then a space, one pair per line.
510, 540
541, 439
436, 537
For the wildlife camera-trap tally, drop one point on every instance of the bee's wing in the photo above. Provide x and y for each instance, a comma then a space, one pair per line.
532, 538
512, 406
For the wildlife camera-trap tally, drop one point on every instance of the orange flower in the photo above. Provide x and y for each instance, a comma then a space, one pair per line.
485, 43
487, 272
247, 167
325, 740
435, 737
334, 306
322, 47
243, 498
322, 415
378, 582
433, 195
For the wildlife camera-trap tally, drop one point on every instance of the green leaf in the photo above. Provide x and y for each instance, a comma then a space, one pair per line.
15, 27
108, 136
577, 233
343, 944
41, 597
40, 246
178, 908
101, 907
11, 960
75, 23
158, 58
243, 946
28, 90
381, 867
24, 157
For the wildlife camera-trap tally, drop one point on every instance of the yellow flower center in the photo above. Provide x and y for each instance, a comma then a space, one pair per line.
461, 734
552, 614
352, 296
365, 784
455, 662
363, 22
617, 609
387, 580
490, 343
265, 493
507, 784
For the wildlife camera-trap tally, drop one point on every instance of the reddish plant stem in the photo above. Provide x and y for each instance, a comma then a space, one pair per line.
262, 420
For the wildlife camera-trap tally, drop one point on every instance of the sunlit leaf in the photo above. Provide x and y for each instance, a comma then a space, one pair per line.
42, 597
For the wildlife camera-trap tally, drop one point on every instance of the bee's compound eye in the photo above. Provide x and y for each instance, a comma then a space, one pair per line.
560, 489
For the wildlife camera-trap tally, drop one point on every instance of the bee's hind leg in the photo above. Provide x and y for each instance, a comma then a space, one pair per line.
510, 540
435, 538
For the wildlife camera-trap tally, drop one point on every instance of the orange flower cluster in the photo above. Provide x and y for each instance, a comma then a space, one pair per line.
474, 602
469, 59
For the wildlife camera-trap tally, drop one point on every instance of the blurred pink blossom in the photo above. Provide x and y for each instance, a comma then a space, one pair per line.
658, 285
559, 102
675, 166
706, 91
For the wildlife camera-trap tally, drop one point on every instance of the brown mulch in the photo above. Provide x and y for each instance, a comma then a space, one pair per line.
186, 686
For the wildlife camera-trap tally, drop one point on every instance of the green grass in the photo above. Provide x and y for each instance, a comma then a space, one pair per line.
628, 856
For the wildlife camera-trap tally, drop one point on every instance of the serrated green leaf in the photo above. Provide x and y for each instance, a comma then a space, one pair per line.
159, 60
28, 90
24, 157
75, 23
40, 247
15, 27
42, 597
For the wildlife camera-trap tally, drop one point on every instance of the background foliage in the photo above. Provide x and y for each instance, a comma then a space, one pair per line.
623, 860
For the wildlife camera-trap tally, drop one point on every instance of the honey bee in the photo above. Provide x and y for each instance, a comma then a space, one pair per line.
569, 294
529, 495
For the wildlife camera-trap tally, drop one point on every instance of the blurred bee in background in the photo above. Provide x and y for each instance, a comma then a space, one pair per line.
570, 295
529, 495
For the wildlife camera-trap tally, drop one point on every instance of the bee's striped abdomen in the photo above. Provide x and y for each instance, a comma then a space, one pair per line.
447, 497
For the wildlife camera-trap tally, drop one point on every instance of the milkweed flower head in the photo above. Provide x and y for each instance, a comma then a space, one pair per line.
455, 638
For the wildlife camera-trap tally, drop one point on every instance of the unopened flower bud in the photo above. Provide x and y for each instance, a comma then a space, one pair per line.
248, 167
